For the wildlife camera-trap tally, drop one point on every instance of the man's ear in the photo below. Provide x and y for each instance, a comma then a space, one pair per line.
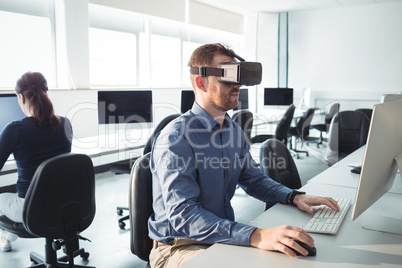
199, 81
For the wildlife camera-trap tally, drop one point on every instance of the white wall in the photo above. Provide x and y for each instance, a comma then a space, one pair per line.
347, 54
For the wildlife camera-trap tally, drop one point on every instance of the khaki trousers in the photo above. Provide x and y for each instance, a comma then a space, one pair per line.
172, 256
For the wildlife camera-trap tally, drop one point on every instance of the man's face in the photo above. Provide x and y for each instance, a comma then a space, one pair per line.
222, 96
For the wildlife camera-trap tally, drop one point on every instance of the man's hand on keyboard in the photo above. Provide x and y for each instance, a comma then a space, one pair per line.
305, 202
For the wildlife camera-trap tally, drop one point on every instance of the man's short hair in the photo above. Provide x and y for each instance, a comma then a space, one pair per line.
204, 55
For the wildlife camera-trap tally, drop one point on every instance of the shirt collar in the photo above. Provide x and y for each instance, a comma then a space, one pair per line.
207, 120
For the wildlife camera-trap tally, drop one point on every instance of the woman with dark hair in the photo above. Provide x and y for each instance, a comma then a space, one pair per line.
32, 140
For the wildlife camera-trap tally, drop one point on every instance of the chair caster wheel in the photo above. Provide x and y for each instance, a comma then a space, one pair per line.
85, 255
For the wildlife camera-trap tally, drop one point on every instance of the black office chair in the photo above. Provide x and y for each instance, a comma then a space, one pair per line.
245, 120
348, 131
325, 126
277, 163
140, 203
282, 129
59, 204
301, 131
126, 168
367, 112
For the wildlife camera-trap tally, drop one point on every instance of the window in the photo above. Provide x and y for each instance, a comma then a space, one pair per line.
27, 45
113, 59
165, 61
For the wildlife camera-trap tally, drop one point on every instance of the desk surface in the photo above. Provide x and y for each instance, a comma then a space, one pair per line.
352, 246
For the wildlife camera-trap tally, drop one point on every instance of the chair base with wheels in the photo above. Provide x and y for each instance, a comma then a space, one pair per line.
119, 211
51, 247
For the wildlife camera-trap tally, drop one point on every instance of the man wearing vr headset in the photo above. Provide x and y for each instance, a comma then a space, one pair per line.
197, 161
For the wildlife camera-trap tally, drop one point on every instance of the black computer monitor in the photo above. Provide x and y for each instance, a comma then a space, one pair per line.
278, 96
10, 110
187, 100
382, 157
243, 99
124, 106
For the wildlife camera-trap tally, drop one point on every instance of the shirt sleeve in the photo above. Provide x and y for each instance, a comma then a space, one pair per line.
6, 143
173, 168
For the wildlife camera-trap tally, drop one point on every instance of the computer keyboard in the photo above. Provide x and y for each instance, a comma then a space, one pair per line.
326, 220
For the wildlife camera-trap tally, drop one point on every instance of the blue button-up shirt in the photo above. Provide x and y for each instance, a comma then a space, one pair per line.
196, 166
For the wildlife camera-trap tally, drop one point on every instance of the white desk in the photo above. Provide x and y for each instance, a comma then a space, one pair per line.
351, 247
340, 174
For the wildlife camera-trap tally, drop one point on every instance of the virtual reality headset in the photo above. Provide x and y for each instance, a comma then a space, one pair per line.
238, 73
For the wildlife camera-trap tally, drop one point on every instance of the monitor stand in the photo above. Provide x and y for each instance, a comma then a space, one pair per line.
379, 223
374, 222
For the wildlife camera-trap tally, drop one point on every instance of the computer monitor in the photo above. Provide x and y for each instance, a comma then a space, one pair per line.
278, 96
383, 155
124, 107
243, 99
9, 110
187, 100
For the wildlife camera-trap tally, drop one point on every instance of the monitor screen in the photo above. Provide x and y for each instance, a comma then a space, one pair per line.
382, 154
9, 109
122, 107
278, 96
243, 99
187, 100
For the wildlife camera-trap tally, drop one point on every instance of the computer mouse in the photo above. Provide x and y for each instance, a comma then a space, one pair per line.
312, 251
356, 169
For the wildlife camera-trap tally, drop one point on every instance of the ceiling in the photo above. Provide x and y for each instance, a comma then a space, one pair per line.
244, 6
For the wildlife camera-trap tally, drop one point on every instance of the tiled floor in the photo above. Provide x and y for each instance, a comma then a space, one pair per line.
110, 246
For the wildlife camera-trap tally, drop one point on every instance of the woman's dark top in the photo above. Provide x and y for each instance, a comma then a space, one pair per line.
31, 145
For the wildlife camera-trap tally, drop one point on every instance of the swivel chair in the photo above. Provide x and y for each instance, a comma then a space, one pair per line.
301, 131
59, 204
126, 168
325, 127
277, 163
245, 120
348, 131
282, 129
140, 203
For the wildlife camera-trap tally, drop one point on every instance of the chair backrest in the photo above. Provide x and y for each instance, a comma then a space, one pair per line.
140, 207
348, 131
277, 163
332, 112
245, 120
367, 112
60, 201
303, 125
158, 128
283, 126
